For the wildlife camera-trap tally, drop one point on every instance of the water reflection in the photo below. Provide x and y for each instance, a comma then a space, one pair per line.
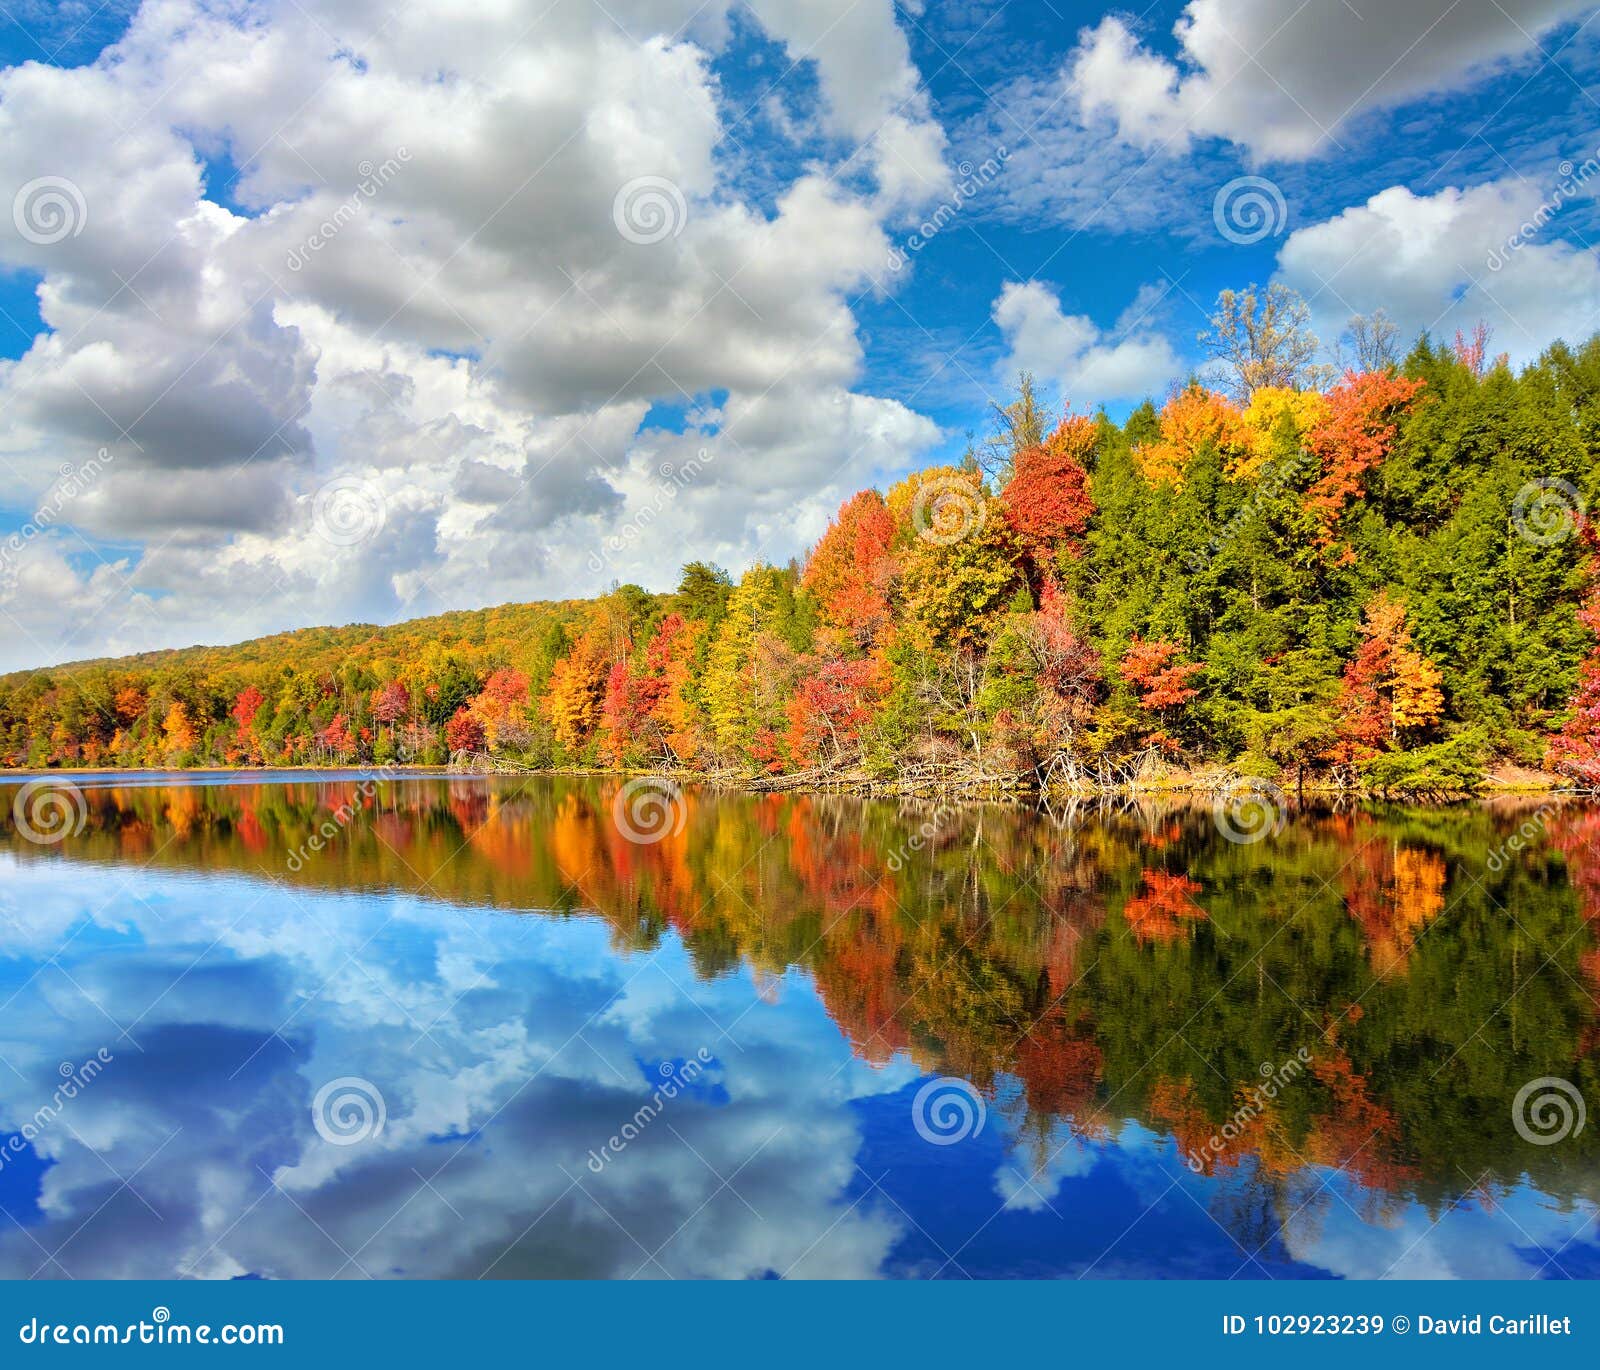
517, 979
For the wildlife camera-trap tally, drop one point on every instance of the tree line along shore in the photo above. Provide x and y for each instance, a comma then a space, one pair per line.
1378, 575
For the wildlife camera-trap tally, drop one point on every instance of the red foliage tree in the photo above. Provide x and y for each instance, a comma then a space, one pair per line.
625, 711
1047, 499
1575, 751
338, 738
246, 704
507, 686
768, 751
829, 710
670, 659
1161, 679
464, 732
389, 704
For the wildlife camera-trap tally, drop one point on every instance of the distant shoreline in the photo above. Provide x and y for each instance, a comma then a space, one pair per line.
1504, 782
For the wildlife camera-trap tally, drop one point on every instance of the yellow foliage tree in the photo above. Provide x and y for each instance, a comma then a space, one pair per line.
577, 690
959, 556
178, 730
1269, 407
737, 688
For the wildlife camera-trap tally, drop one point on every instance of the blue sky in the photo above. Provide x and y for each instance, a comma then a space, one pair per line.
347, 320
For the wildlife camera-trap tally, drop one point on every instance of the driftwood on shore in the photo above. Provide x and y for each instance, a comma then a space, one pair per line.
922, 778
483, 763
1064, 778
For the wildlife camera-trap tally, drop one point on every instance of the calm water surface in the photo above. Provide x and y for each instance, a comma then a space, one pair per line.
715, 1055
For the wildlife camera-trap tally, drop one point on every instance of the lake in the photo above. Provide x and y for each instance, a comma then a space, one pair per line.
296, 1026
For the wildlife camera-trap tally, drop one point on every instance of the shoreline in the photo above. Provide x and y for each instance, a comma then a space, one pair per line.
1499, 783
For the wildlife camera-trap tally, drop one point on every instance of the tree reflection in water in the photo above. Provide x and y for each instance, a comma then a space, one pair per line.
1107, 968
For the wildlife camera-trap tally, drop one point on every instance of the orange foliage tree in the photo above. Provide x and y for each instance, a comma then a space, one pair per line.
1389, 690
850, 570
1364, 412
1189, 420
1161, 679
577, 691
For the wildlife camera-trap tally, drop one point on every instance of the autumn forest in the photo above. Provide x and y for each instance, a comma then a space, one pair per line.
1375, 575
